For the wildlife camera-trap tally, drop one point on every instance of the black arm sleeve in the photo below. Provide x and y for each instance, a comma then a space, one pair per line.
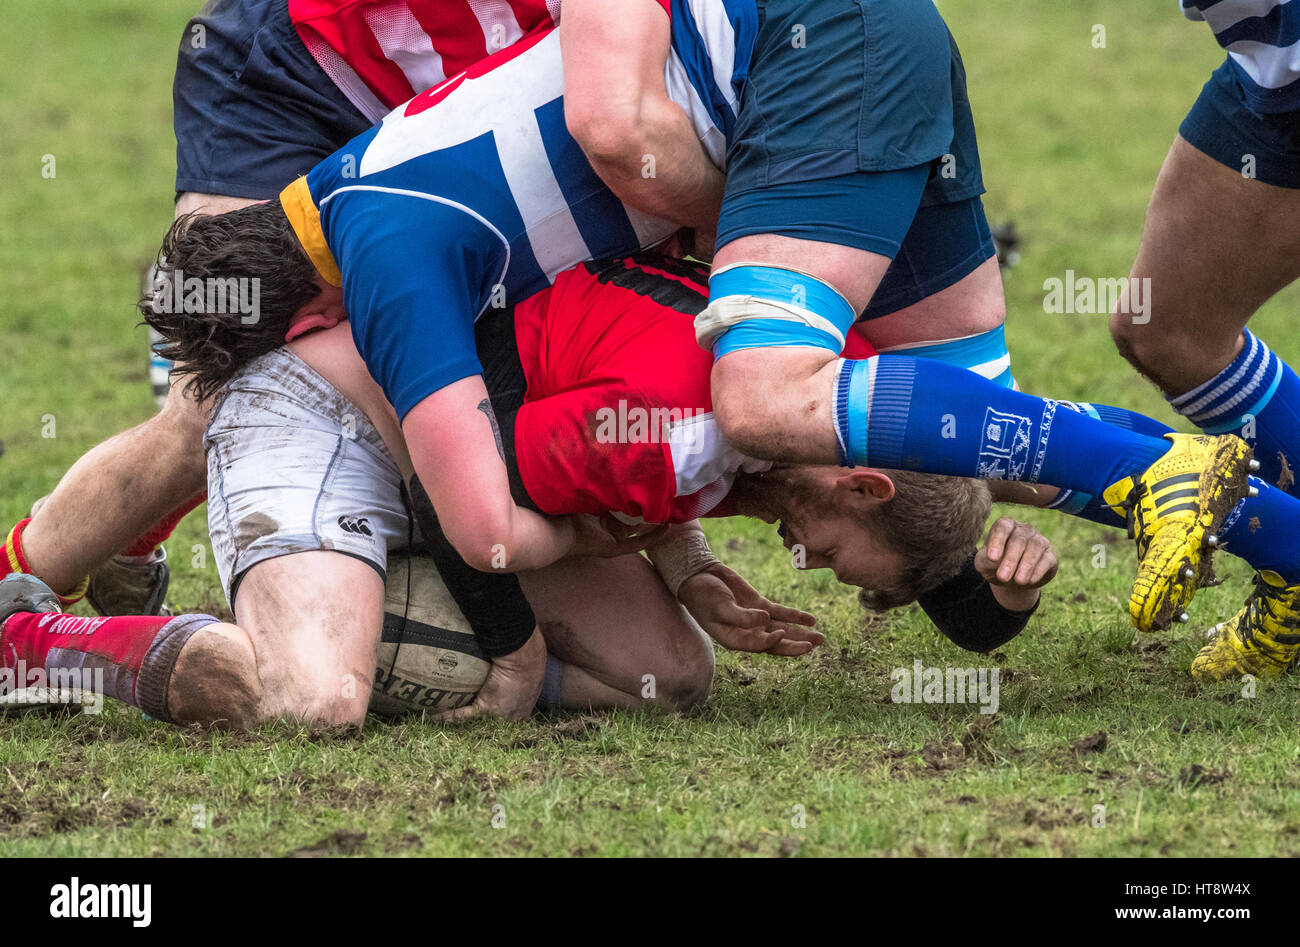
492, 602
964, 609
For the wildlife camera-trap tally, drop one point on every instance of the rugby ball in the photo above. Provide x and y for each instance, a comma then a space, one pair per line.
428, 659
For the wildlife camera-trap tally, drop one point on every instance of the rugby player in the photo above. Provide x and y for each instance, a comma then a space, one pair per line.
264, 90
586, 356
1222, 236
854, 191
435, 218
614, 338
554, 248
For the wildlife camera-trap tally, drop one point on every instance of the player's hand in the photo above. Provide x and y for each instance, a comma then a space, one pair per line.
1017, 560
512, 686
740, 619
608, 537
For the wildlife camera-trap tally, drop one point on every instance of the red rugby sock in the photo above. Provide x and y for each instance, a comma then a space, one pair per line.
164, 528
135, 653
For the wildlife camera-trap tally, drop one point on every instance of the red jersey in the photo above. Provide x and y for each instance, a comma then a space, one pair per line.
382, 52
618, 416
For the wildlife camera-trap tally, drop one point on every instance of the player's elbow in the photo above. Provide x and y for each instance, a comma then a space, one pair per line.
486, 555
737, 419
611, 134
738, 404
487, 545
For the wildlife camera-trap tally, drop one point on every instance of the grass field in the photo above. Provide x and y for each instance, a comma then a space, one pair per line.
1072, 137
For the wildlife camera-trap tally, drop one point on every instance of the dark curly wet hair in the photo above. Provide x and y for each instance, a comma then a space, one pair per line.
249, 255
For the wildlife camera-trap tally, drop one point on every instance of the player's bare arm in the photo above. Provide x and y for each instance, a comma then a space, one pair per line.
452, 444
776, 401
616, 106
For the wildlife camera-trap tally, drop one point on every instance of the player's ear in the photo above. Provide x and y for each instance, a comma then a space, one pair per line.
328, 301
323, 311
871, 485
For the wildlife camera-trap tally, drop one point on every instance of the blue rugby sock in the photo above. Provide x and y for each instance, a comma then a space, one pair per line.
1086, 506
1257, 397
906, 413
915, 414
1262, 530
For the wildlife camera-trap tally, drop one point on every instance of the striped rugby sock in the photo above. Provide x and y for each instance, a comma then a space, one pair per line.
12, 559
904, 413
1261, 529
1257, 397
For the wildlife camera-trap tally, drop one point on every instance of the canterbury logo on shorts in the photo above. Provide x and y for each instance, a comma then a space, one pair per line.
355, 524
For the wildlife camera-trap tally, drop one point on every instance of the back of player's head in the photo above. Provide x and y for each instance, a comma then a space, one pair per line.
931, 524
226, 289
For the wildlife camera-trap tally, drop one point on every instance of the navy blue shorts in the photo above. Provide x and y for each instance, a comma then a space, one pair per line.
1222, 125
945, 244
855, 129
251, 108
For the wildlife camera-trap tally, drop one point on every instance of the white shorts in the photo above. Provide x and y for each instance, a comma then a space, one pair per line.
294, 466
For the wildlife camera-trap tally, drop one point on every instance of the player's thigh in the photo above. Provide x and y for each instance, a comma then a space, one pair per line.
1215, 247
616, 619
973, 304
853, 273
304, 503
841, 212
943, 284
314, 619
883, 239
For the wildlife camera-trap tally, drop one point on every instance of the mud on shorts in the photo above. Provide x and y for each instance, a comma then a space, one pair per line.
252, 109
294, 466
1226, 124
855, 129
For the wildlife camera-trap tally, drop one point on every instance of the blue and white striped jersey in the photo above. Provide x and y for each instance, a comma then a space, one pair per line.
1262, 38
712, 44
473, 195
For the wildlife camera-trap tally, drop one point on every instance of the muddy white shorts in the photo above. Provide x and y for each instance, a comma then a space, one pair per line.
294, 466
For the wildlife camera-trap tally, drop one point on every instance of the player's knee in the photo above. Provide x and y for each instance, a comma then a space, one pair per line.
320, 687
320, 694
1150, 348
686, 683
1126, 335
215, 682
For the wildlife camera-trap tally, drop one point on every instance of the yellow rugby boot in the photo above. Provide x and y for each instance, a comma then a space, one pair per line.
1174, 509
1263, 639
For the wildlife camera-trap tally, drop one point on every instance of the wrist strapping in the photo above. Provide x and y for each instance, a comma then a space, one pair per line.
683, 557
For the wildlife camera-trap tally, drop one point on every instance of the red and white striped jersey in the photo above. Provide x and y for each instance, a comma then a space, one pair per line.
382, 52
